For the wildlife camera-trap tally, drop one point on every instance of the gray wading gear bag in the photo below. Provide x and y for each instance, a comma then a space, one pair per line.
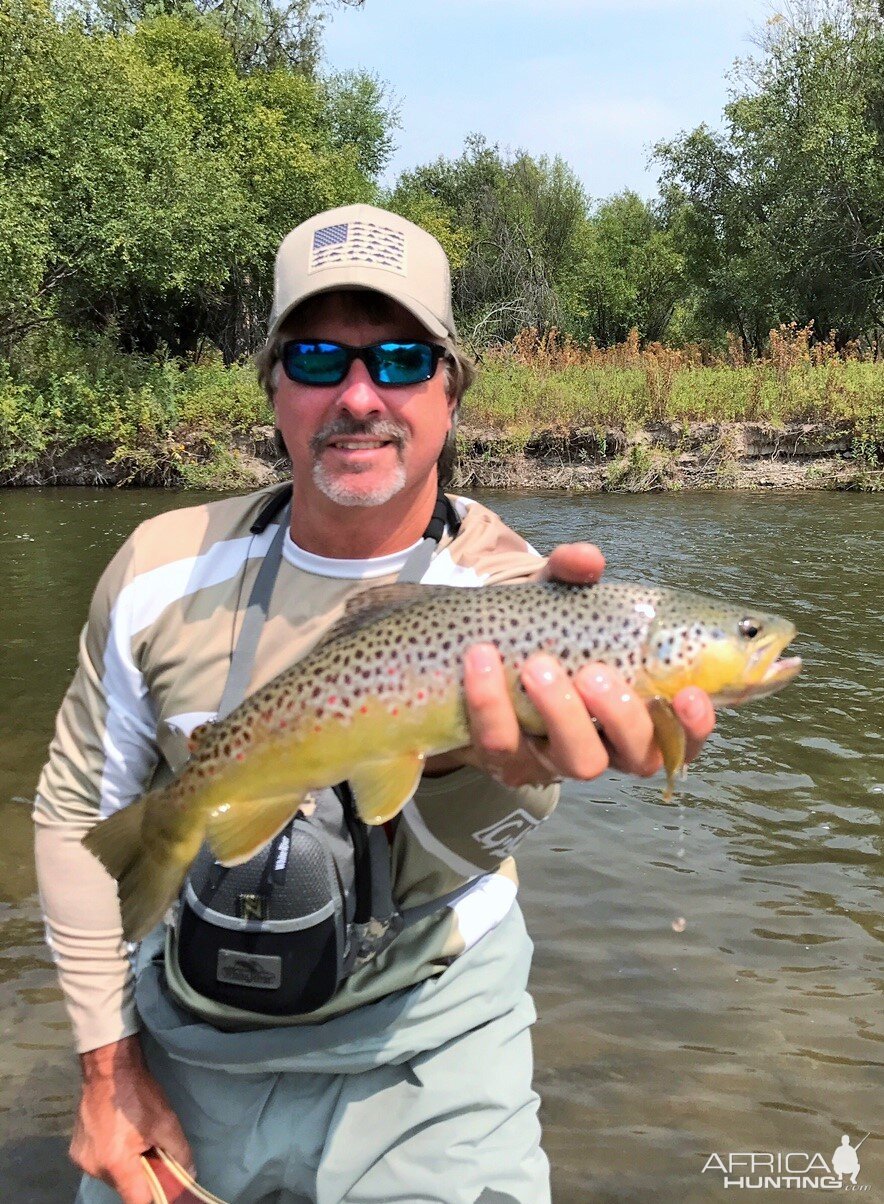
278, 935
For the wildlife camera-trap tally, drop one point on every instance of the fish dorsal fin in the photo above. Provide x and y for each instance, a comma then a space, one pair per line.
369, 605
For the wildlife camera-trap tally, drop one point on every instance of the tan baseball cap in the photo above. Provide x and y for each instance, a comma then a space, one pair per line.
360, 246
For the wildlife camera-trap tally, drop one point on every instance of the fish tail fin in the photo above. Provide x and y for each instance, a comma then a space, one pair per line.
116, 841
146, 885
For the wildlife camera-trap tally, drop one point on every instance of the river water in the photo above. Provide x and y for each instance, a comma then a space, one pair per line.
707, 973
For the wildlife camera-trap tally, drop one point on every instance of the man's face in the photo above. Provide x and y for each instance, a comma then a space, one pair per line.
358, 443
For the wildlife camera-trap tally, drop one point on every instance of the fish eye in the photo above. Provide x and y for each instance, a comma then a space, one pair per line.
749, 628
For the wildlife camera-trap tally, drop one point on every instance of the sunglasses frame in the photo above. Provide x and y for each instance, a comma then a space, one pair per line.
437, 352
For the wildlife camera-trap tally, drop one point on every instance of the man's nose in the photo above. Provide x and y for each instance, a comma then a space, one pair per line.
358, 392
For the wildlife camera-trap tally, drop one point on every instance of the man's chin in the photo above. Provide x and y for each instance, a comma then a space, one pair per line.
356, 489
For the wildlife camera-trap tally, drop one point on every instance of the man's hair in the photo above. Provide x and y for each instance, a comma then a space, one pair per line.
375, 308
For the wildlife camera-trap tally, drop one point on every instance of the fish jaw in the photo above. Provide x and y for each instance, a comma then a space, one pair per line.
777, 673
729, 670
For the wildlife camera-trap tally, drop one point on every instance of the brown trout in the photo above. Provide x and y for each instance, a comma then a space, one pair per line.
383, 690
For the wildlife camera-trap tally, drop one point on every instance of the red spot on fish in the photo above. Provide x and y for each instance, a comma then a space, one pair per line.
363, 710
332, 699
240, 756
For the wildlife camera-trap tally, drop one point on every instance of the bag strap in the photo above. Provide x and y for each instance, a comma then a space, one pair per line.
413, 915
419, 560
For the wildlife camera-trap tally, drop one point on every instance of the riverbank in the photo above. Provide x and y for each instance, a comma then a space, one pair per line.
542, 414
659, 456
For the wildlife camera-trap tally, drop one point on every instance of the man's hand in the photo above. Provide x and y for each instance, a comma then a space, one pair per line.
593, 720
122, 1113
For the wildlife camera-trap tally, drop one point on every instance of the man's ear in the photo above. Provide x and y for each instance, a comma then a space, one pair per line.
279, 443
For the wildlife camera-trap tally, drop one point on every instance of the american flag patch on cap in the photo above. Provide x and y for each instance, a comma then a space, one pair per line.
358, 242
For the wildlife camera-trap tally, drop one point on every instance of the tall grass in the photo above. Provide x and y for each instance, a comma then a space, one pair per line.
548, 381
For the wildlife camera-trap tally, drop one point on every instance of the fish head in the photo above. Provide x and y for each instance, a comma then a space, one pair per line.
731, 652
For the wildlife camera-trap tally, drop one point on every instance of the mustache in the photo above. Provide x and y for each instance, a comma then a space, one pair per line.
345, 424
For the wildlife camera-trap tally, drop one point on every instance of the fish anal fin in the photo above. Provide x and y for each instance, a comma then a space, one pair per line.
382, 788
671, 740
239, 829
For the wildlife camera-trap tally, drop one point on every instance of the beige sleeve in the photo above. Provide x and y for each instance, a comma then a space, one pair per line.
84, 933
485, 544
101, 753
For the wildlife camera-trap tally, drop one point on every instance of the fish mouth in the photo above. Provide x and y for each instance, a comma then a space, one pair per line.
766, 671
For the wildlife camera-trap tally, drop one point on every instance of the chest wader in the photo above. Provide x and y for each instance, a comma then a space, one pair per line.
278, 935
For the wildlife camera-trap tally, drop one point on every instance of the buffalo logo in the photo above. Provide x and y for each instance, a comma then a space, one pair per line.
249, 969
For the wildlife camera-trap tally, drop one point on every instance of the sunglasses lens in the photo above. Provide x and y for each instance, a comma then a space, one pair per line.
315, 363
401, 363
319, 363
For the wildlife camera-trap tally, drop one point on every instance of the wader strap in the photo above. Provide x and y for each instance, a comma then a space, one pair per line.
418, 562
243, 659
382, 905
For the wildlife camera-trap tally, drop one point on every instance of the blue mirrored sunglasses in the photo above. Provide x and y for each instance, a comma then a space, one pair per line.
392, 364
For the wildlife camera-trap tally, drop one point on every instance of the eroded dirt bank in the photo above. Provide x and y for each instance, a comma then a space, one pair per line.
700, 455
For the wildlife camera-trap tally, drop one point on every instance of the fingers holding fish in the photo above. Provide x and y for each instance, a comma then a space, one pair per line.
573, 746
574, 564
493, 723
697, 716
498, 744
622, 717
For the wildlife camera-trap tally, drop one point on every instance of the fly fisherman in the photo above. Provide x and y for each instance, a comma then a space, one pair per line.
299, 1033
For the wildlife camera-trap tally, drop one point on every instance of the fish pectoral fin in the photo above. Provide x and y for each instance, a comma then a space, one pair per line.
382, 788
671, 740
238, 830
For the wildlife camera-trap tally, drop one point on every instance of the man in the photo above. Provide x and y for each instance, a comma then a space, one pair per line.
414, 1080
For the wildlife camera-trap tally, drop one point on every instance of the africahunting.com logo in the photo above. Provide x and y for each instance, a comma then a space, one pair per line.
795, 1169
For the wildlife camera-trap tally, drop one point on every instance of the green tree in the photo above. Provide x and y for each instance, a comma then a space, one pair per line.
630, 273
783, 212
28, 50
521, 220
261, 33
150, 178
